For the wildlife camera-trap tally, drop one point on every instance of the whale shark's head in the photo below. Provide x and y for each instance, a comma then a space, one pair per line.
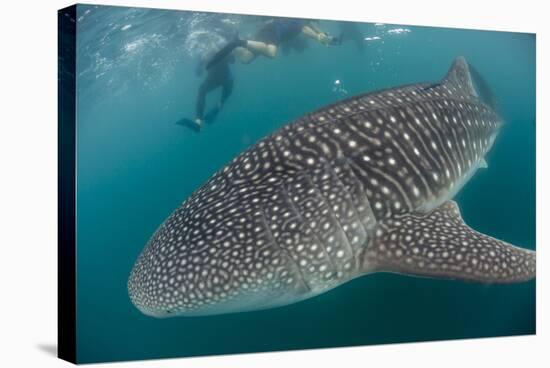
145, 298
157, 270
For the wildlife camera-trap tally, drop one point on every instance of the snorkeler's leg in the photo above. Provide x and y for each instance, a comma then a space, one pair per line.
263, 48
244, 55
199, 107
227, 89
311, 33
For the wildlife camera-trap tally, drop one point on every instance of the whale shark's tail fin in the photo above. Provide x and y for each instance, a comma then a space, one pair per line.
439, 244
483, 89
459, 79
464, 79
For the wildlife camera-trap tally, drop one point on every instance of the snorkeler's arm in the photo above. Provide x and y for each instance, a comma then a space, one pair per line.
314, 25
316, 34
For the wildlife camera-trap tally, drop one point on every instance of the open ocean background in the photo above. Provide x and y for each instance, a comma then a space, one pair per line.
136, 78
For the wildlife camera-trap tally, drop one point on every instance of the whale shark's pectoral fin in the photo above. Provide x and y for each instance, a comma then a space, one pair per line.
439, 244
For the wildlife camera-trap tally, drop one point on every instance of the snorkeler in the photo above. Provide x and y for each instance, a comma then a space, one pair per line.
218, 75
275, 33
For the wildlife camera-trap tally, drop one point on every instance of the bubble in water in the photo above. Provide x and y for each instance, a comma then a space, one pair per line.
373, 38
399, 30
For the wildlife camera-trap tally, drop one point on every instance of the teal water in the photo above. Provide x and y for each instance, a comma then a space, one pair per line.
135, 165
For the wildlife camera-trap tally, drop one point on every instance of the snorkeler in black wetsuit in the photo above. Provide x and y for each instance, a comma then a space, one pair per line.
274, 33
270, 37
217, 76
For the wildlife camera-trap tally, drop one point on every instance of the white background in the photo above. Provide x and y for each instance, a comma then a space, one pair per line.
28, 182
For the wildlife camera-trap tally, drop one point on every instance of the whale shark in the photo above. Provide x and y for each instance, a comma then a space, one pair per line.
360, 186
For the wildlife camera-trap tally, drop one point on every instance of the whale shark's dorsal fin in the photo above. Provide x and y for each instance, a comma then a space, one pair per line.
439, 244
459, 78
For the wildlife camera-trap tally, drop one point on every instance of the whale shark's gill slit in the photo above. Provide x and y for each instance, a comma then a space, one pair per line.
347, 191
284, 192
298, 214
348, 174
339, 203
282, 249
330, 212
319, 218
306, 222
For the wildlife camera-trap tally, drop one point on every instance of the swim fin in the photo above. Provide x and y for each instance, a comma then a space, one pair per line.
209, 118
188, 123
